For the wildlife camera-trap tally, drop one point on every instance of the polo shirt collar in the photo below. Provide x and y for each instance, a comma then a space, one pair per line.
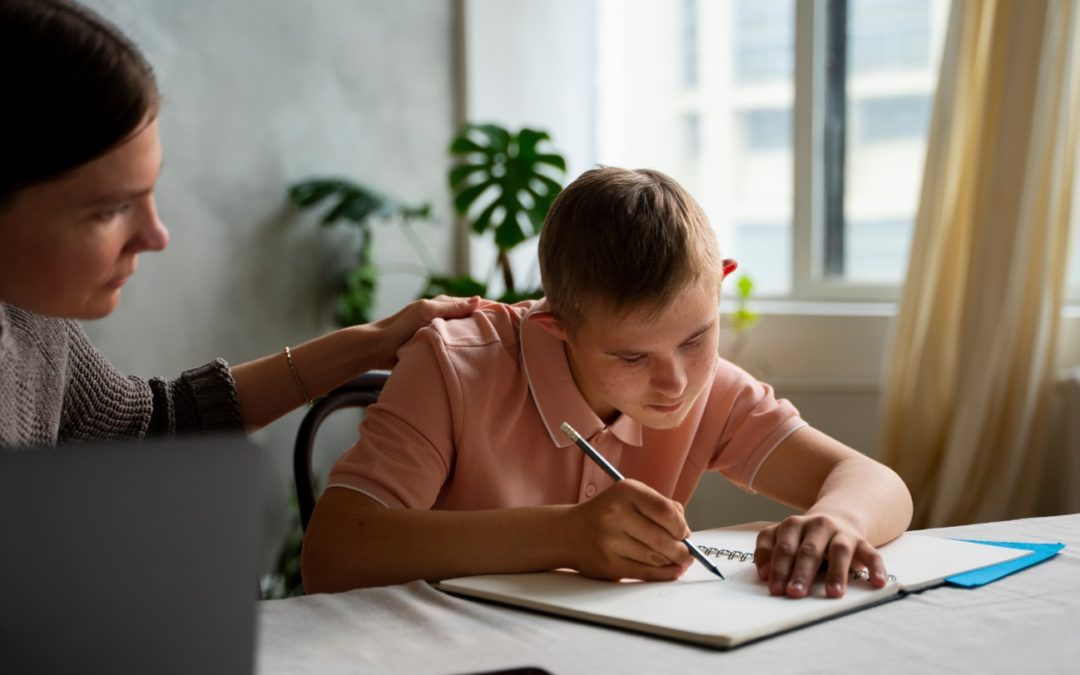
554, 391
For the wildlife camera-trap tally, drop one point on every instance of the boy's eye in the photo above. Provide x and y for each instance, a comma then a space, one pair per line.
694, 341
632, 360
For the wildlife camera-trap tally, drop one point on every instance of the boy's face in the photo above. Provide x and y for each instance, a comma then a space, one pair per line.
652, 368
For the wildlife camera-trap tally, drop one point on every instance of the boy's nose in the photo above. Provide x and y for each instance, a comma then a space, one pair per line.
669, 377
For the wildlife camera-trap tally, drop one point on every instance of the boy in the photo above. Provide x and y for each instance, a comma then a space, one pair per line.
461, 467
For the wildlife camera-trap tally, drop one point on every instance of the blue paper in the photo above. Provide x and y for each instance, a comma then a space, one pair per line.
1039, 553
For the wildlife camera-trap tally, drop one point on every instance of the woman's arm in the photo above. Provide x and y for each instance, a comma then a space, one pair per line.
267, 388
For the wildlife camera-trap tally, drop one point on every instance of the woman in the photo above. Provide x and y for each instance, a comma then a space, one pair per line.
79, 158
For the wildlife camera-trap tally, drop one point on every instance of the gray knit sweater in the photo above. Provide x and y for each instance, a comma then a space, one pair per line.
56, 387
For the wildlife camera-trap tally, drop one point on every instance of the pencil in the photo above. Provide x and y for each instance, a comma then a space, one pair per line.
615, 475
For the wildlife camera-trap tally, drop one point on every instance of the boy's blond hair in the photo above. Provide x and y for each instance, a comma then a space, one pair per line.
628, 240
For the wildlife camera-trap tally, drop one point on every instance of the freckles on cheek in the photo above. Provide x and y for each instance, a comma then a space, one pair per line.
703, 367
609, 380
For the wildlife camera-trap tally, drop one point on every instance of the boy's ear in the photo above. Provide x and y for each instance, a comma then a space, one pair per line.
549, 323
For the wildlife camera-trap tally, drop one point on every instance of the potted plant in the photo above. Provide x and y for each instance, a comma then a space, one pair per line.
502, 182
358, 206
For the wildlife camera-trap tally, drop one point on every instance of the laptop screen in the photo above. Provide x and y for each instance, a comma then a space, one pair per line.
130, 557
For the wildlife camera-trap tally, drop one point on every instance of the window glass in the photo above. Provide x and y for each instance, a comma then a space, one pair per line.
704, 92
892, 60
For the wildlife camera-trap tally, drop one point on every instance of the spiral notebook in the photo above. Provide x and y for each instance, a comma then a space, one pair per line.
685, 609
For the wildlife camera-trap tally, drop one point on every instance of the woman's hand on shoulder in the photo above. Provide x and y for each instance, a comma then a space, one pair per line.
789, 554
390, 333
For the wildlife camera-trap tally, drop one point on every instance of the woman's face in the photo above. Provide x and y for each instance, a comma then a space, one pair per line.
67, 246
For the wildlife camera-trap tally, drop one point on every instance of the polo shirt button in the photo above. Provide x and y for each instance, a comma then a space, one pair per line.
590, 490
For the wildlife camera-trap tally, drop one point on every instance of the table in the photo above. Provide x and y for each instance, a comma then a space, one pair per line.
1028, 622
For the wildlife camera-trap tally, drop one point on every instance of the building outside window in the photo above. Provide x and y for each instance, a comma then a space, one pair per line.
707, 92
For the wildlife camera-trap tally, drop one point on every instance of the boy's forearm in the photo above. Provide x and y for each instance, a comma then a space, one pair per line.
868, 495
811, 471
348, 547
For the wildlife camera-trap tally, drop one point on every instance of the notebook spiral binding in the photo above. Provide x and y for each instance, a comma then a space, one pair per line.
741, 556
745, 556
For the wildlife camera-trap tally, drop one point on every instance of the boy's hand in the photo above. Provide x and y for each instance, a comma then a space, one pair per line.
629, 531
790, 553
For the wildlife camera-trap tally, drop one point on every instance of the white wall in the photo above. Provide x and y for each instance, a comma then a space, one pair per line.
528, 63
259, 95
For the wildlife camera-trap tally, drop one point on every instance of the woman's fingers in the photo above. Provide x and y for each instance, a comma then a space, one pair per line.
395, 330
448, 307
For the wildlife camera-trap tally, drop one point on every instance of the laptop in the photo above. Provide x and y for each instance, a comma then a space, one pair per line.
130, 557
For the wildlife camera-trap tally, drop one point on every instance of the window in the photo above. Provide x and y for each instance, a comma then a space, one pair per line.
890, 118
688, 11
890, 60
889, 35
764, 42
713, 93
766, 129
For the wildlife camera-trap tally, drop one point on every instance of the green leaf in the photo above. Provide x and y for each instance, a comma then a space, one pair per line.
480, 223
745, 286
743, 318
352, 202
509, 233
462, 172
551, 187
498, 138
357, 300
312, 192
510, 297
421, 212
504, 169
462, 286
529, 139
556, 161
465, 197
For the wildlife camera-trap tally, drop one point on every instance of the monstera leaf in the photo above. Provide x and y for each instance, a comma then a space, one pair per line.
355, 203
504, 181
461, 286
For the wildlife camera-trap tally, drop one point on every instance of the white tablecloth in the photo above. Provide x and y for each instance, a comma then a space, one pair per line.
1026, 623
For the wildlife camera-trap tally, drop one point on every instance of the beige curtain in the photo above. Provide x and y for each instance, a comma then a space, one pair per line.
974, 341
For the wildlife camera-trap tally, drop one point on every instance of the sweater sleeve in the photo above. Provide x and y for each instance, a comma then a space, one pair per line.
201, 400
101, 403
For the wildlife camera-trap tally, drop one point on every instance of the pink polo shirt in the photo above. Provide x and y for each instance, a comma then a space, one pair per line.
470, 420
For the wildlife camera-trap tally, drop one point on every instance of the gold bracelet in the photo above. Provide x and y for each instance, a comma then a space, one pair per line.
296, 376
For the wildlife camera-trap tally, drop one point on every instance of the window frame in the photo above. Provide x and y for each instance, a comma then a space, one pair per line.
813, 148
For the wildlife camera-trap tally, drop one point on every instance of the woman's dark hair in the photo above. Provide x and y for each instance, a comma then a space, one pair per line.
73, 88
